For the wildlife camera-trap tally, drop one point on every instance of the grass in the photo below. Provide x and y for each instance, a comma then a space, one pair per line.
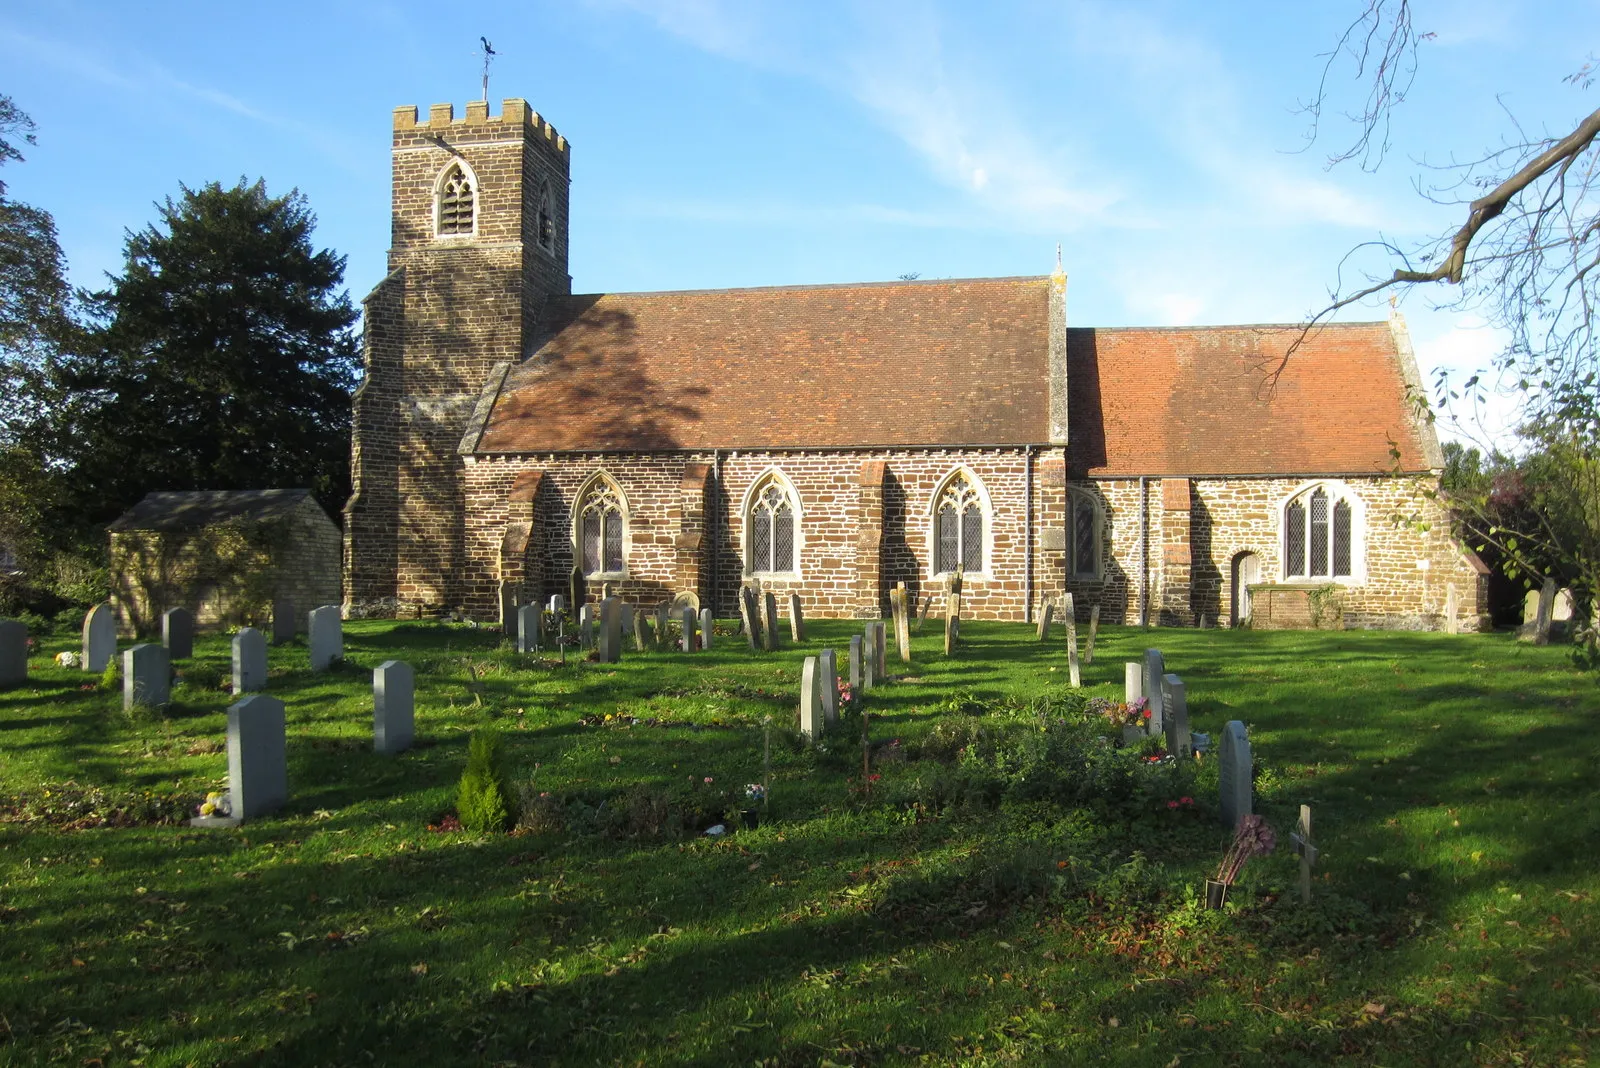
1452, 781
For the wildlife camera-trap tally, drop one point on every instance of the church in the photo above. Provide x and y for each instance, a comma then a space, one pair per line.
835, 440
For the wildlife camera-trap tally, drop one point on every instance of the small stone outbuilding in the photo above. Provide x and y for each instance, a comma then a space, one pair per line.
226, 555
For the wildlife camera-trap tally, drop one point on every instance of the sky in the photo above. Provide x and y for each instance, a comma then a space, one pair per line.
719, 143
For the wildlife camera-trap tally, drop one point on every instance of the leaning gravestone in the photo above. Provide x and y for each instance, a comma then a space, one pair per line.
325, 636
688, 629
769, 620
258, 772
99, 638
1175, 701
1047, 612
1154, 668
749, 618
283, 621
1094, 629
530, 627
177, 633
610, 642
393, 706
797, 619
707, 625
1234, 774
642, 638
146, 676
1547, 605
13, 652
811, 713
858, 669
249, 661
828, 667
922, 615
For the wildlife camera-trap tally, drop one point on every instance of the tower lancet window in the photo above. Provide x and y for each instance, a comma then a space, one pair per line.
457, 202
547, 222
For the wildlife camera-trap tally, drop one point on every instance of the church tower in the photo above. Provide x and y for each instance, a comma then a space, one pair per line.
479, 240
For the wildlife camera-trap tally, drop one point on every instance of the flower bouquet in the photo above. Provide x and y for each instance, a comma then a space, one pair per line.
1253, 838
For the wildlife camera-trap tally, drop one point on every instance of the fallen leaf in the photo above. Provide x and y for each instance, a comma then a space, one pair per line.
420, 968
1372, 1008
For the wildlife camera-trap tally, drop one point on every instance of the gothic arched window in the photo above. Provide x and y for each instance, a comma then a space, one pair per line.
1321, 534
1083, 534
773, 522
602, 529
546, 219
455, 202
959, 525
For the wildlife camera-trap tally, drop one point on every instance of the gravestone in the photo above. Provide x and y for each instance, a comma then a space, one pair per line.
1094, 629
177, 633
508, 610
688, 629
1452, 610
99, 638
1233, 774
749, 618
1563, 608
810, 699
258, 770
146, 676
797, 619
707, 628
610, 637
1300, 837
586, 627
902, 623
858, 668
13, 652
880, 670
642, 638
627, 618
1547, 604
284, 623
769, 620
922, 616
558, 604
1047, 612
325, 636
249, 661
869, 660
1530, 609
530, 628
952, 613
394, 706
1154, 668
828, 666
1175, 702
1069, 616
1132, 681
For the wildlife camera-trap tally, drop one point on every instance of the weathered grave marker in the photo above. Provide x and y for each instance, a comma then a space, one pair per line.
1234, 774
952, 613
284, 623
642, 638
922, 616
858, 668
393, 706
688, 629
828, 666
797, 619
749, 618
577, 589
1175, 702
1132, 681
769, 620
508, 609
1047, 613
811, 713
869, 659
177, 633
1094, 629
880, 659
708, 627
1069, 616
258, 769
558, 604
249, 661
13, 652
1547, 604
325, 636
99, 638
610, 638
1452, 609
902, 621
146, 676
1301, 837
1154, 668
586, 627
530, 628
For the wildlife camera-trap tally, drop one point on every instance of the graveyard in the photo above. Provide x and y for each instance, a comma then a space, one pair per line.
716, 859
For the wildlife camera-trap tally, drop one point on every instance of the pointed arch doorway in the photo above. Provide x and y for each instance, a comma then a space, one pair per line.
1246, 573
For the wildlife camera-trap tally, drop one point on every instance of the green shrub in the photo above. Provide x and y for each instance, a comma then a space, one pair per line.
202, 676
111, 677
484, 800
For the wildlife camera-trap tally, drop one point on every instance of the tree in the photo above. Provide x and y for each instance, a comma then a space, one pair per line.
221, 358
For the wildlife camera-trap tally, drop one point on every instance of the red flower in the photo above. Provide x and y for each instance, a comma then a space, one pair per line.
1172, 804
1147, 713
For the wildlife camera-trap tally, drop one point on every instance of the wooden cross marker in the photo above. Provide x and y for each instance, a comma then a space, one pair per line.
1301, 837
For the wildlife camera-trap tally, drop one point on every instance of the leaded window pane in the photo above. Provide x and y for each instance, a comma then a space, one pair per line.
591, 543
972, 538
1294, 539
613, 525
1319, 533
761, 540
1083, 538
1341, 540
949, 539
783, 538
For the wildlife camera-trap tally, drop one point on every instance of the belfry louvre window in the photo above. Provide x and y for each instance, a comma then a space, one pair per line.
457, 202
772, 530
547, 223
958, 526
600, 531
1319, 535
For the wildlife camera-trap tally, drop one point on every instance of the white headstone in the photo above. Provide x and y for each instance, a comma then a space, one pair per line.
249, 661
99, 638
146, 676
811, 713
1132, 681
688, 628
1562, 609
325, 636
1234, 774
177, 633
258, 773
530, 622
393, 706
586, 627
558, 603
13, 652
707, 626
1175, 701
828, 669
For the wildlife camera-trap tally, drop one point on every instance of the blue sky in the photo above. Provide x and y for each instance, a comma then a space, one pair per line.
744, 143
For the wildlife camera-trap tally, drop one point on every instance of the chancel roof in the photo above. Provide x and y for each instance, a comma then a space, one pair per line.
947, 363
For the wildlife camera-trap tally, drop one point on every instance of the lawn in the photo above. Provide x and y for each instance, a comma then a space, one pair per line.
941, 913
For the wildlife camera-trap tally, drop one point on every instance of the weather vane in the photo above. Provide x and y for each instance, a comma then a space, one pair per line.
488, 54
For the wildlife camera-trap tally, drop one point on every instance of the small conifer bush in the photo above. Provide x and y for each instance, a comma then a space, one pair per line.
111, 677
484, 800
